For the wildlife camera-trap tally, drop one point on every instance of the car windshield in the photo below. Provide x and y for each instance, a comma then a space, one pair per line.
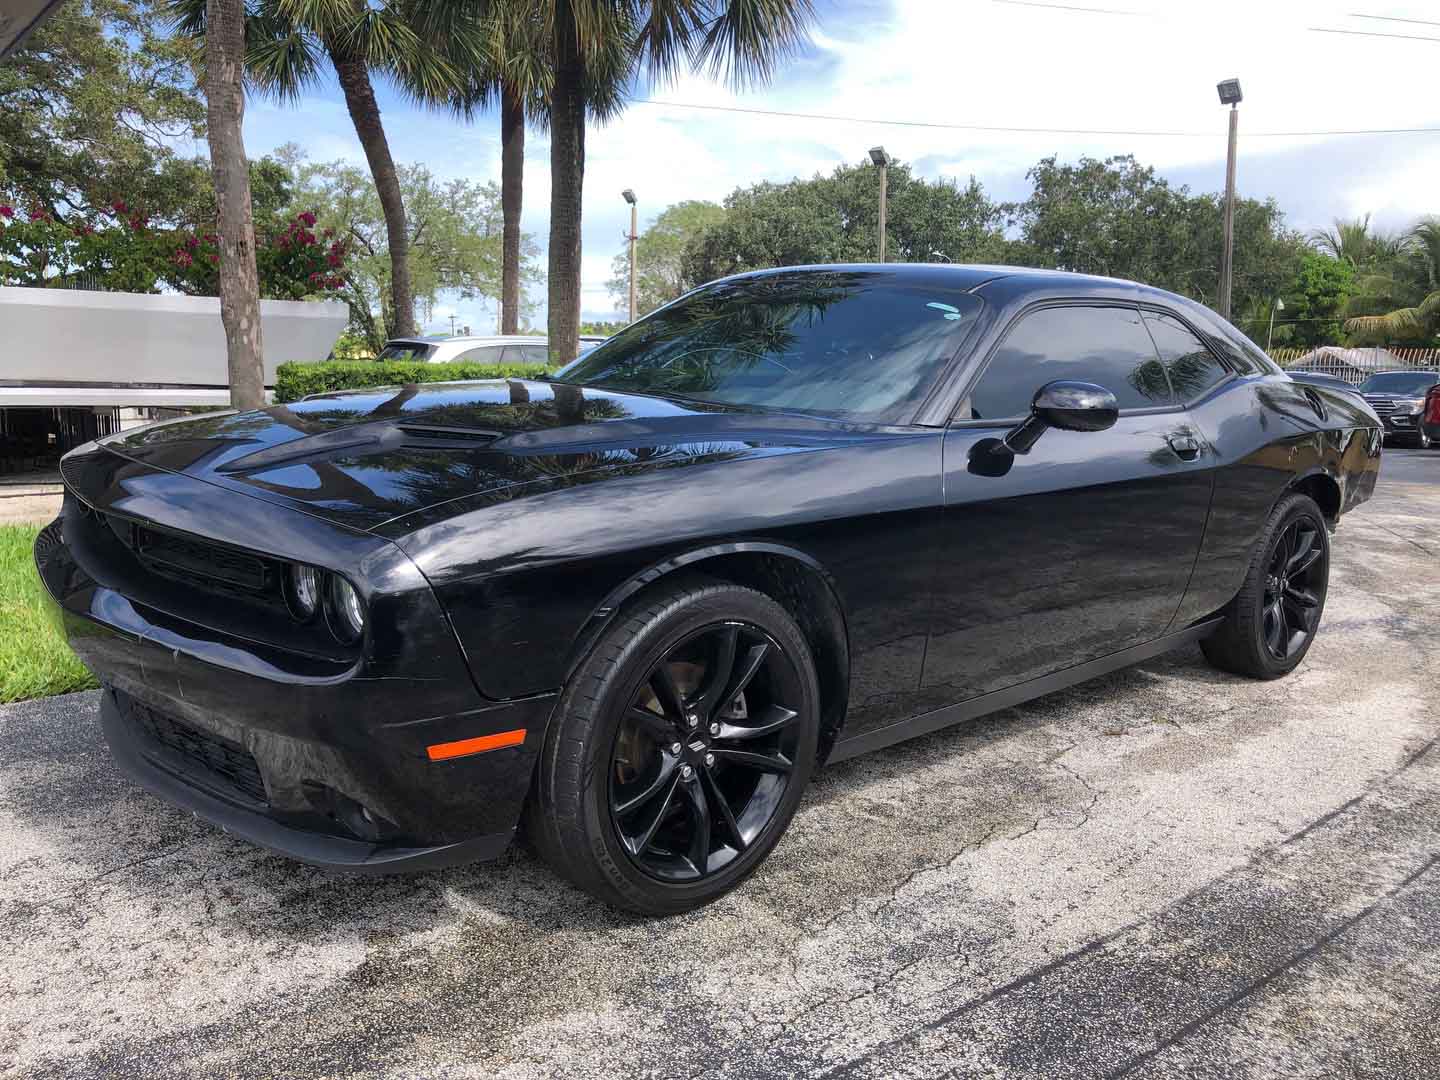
853, 343
1399, 382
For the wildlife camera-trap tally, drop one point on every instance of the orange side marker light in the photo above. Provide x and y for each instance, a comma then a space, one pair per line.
465, 747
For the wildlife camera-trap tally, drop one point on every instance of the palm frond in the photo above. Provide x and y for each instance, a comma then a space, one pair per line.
281, 58
748, 40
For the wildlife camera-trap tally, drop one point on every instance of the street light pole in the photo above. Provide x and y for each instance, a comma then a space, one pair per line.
634, 236
1279, 305
1229, 95
882, 160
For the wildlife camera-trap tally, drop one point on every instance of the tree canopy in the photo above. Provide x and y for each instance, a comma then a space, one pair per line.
660, 255
832, 218
91, 108
454, 232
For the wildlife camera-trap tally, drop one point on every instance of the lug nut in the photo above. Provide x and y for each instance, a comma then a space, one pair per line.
694, 720
686, 771
714, 729
709, 760
675, 748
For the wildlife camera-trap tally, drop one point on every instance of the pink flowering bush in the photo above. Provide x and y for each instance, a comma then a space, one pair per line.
118, 249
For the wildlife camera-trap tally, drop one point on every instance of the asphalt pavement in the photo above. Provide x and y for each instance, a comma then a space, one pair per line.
1166, 872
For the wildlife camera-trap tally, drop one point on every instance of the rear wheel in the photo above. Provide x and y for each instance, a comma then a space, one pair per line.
680, 749
1272, 621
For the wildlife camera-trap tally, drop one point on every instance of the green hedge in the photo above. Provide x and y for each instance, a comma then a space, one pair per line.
295, 381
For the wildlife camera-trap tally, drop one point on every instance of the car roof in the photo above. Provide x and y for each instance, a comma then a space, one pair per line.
993, 280
472, 339
1406, 371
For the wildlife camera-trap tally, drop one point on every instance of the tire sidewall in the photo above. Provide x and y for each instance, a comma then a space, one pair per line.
1295, 508
690, 613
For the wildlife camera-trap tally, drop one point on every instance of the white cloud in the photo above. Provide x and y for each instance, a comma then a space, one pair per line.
993, 64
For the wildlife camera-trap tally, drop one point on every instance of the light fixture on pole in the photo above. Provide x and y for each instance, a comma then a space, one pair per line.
1229, 95
882, 161
1279, 305
629, 197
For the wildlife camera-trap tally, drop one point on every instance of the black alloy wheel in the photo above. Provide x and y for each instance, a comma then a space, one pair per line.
1294, 585
1271, 623
680, 748
704, 753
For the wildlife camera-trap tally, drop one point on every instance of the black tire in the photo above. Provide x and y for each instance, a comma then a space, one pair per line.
602, 747
1269, 607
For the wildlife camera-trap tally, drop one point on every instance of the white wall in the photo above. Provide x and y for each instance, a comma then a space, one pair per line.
134, 349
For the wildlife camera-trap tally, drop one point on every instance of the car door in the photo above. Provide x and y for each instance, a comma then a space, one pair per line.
1083, 546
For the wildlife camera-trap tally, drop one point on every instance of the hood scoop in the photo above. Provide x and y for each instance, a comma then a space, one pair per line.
360, 440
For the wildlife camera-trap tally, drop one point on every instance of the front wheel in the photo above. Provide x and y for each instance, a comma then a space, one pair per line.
1272, 621
680, 749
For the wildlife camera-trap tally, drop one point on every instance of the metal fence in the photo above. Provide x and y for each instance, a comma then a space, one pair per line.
1356, 365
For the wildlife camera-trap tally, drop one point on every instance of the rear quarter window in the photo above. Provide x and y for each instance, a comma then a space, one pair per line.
1191, 366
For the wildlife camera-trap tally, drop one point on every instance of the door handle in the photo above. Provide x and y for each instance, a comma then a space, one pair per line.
1186, 447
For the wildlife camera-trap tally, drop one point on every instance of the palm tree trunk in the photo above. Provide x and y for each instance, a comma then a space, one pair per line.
512, 181
567, 182
239, 280
354, 77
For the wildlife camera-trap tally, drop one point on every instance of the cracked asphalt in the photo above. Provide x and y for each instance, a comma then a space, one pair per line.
1165, 872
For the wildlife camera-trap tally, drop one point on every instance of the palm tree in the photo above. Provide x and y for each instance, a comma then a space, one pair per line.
505, 60
286, 42
599, 47
1403, 298
239, 280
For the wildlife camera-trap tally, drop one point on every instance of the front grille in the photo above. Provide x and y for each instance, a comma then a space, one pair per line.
1382, 406
213, 567
220, 761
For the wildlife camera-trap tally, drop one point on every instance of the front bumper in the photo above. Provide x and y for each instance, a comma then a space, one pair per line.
302, 841
337, 745
1407, 425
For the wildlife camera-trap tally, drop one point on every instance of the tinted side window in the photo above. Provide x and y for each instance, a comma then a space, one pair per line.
1192, 368
1103, 345
526, 354
486, 354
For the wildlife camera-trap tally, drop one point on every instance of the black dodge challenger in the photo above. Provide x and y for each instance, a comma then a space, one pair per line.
792, 517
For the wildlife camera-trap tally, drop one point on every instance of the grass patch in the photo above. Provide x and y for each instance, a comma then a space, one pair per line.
35, 661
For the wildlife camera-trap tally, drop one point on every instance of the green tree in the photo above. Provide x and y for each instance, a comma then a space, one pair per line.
1313, 305
660, 255
601, 46
1117, 218
454, 236
1398, 300
834, 218
90, 108
286, 43
1354, 242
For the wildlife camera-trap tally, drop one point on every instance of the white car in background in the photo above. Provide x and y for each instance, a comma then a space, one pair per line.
497, 349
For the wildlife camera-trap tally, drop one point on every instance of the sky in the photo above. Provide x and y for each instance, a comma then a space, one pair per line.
1121, 69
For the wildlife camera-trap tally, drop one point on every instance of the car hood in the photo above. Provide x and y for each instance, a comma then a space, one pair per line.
364, 459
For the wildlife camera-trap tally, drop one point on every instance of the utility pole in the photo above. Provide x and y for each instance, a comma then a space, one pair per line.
1229, 95
452, 325
882, 161
632, 237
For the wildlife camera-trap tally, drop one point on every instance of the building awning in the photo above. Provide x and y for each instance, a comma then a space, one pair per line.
18, 18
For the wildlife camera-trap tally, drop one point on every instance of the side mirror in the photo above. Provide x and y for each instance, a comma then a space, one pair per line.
1066, 405
1075, 406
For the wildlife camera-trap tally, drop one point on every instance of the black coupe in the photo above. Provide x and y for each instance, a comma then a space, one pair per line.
792, 517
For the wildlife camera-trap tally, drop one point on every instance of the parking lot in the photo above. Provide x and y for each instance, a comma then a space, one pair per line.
1168, 871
